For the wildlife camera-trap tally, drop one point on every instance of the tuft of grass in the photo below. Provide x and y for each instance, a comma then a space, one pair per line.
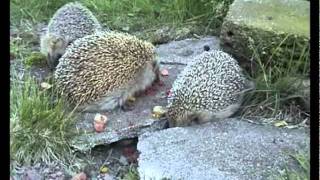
18, 48
303, 173
33, 10
39, 124
132, 174
281, 88
35, 58
130, 15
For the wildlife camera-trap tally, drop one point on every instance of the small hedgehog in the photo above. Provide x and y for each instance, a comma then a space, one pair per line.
210, 87
100, 72
70, 22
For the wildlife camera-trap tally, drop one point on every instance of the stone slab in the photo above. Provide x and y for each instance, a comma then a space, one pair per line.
223, 150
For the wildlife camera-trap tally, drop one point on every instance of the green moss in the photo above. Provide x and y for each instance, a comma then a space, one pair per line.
273, 15
245, 42
35, 59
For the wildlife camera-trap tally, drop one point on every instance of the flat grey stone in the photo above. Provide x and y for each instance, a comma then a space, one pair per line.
182, 52
227, 149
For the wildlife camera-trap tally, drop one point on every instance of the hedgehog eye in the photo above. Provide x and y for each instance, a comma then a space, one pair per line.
59, 56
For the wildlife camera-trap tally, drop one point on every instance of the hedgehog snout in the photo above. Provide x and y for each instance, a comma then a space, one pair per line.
53, 60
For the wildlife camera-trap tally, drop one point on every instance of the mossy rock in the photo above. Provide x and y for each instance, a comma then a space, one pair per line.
35, 59
273, 30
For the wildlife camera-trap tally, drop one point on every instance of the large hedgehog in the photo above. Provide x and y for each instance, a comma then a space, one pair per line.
210, 87
70, 22
100, 72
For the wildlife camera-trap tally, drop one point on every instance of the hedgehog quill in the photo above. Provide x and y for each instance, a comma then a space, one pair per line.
70, 22
210, 87
100, 72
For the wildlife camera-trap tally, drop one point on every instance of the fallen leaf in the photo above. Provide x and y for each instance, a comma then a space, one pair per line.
158, 111
164, 72
131, 99
280, 123
45, 85
80, 176
104, 169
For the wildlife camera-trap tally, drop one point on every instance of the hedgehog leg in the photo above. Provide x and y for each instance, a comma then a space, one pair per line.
128, 106
118, 99
204, 117
227, 112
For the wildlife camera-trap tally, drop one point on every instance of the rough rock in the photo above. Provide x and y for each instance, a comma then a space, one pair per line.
261, 26
168, 33
130, 124
181, 52
226, 149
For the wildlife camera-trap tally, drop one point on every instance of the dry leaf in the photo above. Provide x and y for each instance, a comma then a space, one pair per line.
131, 99
158, 111
104, 169
280, 123
45, 85
164, 72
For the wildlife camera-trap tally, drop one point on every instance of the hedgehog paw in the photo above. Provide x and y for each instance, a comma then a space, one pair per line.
127, 106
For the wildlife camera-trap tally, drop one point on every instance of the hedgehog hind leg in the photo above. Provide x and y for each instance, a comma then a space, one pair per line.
200, 118
117, 100
228, 112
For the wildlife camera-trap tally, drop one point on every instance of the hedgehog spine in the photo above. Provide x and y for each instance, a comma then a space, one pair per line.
70, 22
100, 71
210, 87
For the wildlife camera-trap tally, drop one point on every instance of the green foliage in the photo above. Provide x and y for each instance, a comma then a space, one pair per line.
18, 48
278, 84
130, 15
303, 173
35, 58
132, 174
39, 124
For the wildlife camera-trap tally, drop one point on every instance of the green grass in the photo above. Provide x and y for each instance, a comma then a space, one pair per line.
279, 86
130, 15
132, 174
39, 127
303, 173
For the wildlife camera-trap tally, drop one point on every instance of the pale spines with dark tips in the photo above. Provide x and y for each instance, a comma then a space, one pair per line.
70, 22
101, 71
210, 87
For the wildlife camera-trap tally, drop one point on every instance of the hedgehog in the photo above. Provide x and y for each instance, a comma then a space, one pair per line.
99, 72
70, 22
210, 87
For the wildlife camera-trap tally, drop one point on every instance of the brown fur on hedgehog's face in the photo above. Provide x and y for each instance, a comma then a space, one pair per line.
53, 47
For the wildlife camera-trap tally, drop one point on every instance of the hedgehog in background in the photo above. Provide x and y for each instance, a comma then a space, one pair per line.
70, 22
210, 87
100, 72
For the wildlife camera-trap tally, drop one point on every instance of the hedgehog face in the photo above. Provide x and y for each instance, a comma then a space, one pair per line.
53, 47
156, 69
179, 117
